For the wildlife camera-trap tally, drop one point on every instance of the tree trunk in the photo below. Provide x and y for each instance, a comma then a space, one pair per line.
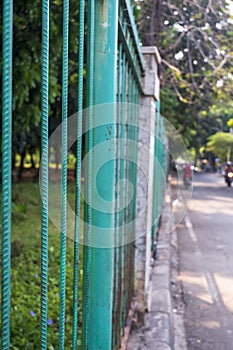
150, 22
33, 165
229, 154
13, 161
21, 167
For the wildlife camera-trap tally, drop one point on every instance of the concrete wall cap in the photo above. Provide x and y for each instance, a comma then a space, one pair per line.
152, 50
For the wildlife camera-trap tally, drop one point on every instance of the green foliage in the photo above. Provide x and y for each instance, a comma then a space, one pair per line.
219, 144
195, 40
27, 69
25, 273
230, 123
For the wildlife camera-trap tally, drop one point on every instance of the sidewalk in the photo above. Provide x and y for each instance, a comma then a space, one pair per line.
163, 329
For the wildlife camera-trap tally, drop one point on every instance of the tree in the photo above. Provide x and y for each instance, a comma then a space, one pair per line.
221, 145
195, 40
27, 70
230, 123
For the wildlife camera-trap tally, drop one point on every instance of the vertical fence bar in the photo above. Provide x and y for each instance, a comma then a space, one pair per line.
129, 179
117, 256
125, 172
6, 168
64, 174
160, 161
122, 192
156, 181
44, 172
99, 326
78, 173
135, 158
157, 174
88, 175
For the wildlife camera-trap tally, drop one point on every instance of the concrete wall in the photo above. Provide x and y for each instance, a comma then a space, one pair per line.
147, 122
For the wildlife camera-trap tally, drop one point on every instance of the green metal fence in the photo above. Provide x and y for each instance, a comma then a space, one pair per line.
160, 177
110, 51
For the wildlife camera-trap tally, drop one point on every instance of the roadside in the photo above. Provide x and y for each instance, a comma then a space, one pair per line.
164, 326
205, 265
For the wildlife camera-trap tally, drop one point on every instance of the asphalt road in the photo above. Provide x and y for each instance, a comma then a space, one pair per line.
205, 241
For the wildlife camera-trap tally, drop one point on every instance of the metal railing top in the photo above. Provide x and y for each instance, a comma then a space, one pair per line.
133, 29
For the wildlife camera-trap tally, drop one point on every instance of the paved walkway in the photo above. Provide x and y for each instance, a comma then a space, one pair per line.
206, 258
163, 329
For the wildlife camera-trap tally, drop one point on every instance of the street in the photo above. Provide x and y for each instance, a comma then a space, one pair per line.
205, 241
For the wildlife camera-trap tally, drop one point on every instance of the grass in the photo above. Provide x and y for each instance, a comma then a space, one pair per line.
25, 271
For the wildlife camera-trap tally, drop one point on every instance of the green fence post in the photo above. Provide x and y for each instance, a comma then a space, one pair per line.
88, 173
156, 181
122, 176
161, 161
159, 165
98, 324
116, 332
63, 228
78, 173
6, 168
44, 172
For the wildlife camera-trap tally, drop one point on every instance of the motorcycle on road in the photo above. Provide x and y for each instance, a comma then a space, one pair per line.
228, 174
229, 178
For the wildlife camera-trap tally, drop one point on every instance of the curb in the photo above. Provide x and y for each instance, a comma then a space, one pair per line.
164, 325
157, 333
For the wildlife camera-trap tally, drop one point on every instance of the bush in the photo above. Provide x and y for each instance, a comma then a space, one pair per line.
25, 274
